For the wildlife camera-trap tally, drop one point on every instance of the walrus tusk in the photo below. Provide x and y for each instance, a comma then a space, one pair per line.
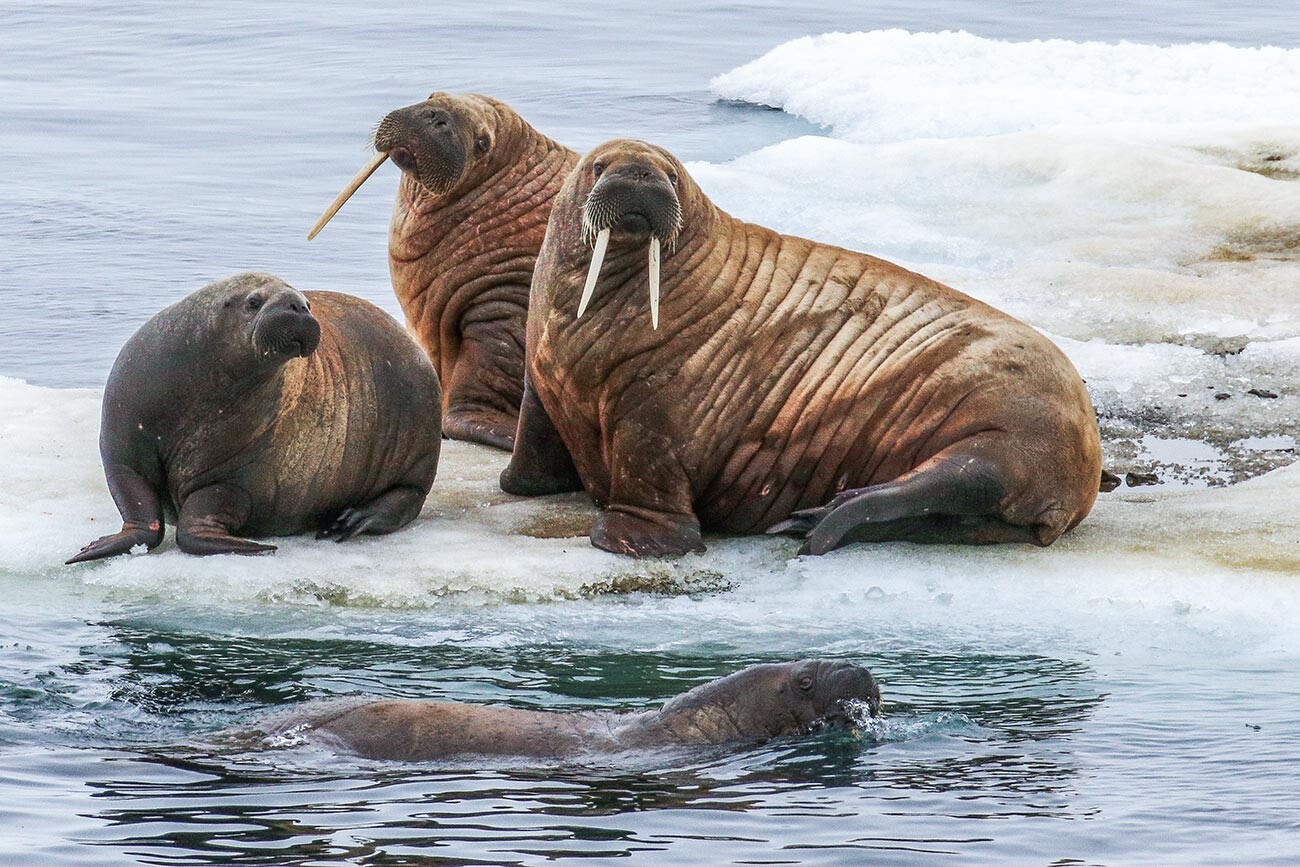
597, 259
654, 282
351, 188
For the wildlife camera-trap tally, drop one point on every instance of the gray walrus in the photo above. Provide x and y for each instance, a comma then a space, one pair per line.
476, 190
784, 385
252, 408
755, 704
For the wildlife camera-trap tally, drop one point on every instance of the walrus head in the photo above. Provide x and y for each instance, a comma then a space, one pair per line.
276, 317
774, 700
633, 197
437, 143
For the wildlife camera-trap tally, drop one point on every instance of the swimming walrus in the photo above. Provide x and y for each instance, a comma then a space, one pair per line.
252, 408
476, 190
785, 385
756, 704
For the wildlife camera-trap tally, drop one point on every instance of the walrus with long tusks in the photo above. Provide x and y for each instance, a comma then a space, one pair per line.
252, 408
779, 384
476, 190
753, 705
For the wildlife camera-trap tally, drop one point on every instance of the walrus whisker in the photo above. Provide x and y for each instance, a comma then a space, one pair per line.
654, 282
593, 273
353, 185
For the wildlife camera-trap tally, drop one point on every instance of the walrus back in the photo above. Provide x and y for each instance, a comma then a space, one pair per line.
870, 370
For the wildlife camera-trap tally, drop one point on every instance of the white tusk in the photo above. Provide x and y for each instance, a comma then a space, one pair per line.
654, 282
597, 259
351, 188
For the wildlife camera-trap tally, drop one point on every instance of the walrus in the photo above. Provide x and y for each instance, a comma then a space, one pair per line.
471, 210
753, 705
779, 384
251, 408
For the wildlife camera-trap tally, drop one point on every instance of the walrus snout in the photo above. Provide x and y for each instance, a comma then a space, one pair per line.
286, 327
638, 200
845, 682
429, 142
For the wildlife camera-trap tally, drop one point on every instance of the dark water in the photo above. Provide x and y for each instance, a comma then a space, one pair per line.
148, 148
1128, 734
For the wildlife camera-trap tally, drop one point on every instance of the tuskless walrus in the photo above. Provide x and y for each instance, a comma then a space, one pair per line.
476, 190
779, 384
756, 704
252, 408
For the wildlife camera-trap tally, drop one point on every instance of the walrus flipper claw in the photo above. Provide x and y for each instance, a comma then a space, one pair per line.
800, 523
349, 523
387, 513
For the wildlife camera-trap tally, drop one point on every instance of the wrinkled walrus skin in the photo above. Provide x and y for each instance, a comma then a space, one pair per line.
471, 210
753, 705
790, 385
251, 408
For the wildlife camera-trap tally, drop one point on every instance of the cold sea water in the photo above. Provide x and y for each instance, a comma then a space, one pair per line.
1124, 176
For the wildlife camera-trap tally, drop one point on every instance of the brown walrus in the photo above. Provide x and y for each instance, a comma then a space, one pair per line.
476, 190
790, 386
756, 704
250, 407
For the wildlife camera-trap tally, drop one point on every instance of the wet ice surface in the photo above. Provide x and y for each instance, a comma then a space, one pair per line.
474, 544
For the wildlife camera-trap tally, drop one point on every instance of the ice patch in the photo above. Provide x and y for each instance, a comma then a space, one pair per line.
475, 545
892, 85
1135, 202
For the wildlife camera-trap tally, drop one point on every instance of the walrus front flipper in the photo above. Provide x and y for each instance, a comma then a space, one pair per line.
954, 497
650, 511
483, 391
142, 518
387, 513
541, 463
206, 518
640, 533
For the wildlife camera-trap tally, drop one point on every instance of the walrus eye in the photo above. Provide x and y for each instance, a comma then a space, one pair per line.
597, 169
254, 303
672, 178
482, 143
806, 682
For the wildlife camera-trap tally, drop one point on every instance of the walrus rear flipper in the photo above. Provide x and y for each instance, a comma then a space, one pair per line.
953, 498
389, 512
142, 518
